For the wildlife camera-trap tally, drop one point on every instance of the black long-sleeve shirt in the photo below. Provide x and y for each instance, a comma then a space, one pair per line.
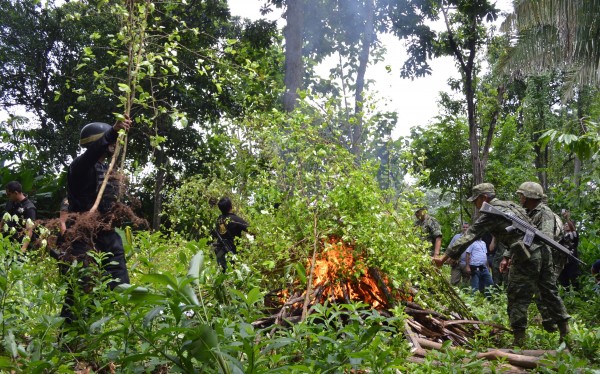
228, 227
24, 210
82, 179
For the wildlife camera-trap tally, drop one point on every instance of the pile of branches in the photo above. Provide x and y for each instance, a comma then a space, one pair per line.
426, 330
517, 361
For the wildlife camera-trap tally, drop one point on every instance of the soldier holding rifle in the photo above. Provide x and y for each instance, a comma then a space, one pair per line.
531, 196
529, 271
228, 228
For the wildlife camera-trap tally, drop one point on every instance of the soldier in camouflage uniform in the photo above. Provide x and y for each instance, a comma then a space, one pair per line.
558, 257
531, 195
526, 273
430, 230
498, 248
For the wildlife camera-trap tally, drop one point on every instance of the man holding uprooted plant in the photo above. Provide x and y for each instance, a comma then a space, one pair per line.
90, 231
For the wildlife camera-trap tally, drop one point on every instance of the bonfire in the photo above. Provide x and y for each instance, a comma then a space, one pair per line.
338, 275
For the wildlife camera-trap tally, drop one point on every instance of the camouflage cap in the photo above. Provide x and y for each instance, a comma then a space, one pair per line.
481, 189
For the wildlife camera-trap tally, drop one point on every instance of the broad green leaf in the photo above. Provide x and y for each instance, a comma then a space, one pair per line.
10, 345
567, 139
301, 272
196, 267
124, 88
151, 315
6, 363
367, 336
96, 326
162, 279
190, 295
202, 343
279, 343
253, 296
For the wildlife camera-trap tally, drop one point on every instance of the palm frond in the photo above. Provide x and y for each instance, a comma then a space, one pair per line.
555, 34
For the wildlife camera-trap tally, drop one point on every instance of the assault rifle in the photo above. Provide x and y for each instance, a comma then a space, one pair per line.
526, 228
225, 245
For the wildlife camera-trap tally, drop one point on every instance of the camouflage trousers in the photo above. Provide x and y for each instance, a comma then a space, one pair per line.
527, 277
559, 260
500, 279
459, 276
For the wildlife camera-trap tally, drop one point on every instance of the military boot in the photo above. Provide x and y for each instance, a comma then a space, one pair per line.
518, 337
549, 326
563, 330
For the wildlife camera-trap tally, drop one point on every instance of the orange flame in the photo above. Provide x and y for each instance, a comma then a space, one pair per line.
343, 276
283, 295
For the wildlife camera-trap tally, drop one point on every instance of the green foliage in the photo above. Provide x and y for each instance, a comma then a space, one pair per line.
192, 207
27, 301
175, 321
554, 34
584, 146
182, 314
582, 203
448, 162
79, 67
511, 159
585, 342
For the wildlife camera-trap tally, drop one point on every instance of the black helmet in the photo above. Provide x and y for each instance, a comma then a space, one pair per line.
92, 132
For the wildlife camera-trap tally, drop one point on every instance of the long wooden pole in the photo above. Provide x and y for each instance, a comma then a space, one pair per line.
312, 266
134, 57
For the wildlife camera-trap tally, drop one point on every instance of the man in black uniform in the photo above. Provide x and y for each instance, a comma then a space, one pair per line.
85, 176
21, 209
228, 227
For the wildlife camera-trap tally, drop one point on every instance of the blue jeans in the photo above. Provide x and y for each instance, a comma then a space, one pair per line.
481, 278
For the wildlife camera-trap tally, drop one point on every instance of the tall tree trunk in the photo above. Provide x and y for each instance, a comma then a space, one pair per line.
158, 187
160, 165
467, 69
492, 128
541, 153
363, 60
583, 107
473, 130
577, 166
541, 161
293, 33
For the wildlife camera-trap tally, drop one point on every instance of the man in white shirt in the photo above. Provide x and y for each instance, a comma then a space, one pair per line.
477, 267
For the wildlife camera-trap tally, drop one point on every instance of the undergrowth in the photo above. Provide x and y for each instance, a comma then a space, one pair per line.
184, 315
